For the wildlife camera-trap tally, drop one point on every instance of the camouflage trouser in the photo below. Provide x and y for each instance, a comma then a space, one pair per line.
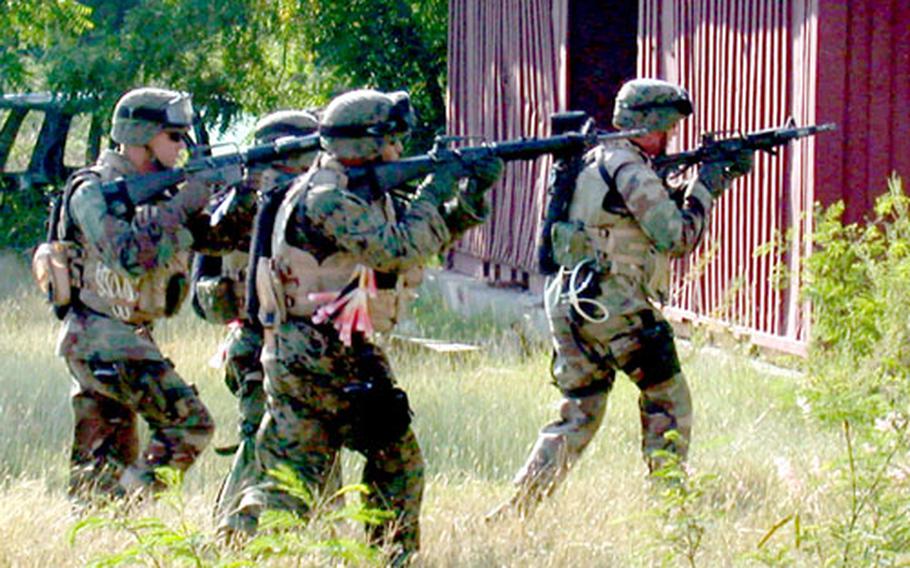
587, 356
107, 397
243, 376
309, 377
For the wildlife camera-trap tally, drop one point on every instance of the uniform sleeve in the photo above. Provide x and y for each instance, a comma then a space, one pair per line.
149, 240
234, 211
674, 229
385, 240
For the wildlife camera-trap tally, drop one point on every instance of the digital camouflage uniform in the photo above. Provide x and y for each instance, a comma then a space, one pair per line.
324, 394
614, 249
130, 268
219, 296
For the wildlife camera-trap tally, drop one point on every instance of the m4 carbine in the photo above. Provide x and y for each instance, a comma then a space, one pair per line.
388, 175
138, 189
713, 149
576, 136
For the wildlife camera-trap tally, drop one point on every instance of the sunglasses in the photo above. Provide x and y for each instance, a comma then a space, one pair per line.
175, 136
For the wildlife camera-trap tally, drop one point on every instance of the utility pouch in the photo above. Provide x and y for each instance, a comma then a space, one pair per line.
51, 269
571, 244
270, 294
378, 415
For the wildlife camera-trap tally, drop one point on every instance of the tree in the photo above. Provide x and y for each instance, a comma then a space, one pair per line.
29, 26
246, 56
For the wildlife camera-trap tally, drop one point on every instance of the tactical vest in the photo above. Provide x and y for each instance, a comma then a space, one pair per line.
156, 294
610, 235
293, 274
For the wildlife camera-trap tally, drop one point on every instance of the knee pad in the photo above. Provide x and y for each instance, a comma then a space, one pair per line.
653, 360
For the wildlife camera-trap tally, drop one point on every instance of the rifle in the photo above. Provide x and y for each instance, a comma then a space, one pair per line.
713, 149
576, 135
138, 189
387, 175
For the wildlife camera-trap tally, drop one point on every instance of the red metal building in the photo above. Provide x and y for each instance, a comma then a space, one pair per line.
749, 64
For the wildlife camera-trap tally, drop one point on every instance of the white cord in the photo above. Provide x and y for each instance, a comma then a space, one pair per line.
576, 302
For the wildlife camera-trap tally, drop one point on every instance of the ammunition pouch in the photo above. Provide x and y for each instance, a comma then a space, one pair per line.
218, 300
571, 243
378, 415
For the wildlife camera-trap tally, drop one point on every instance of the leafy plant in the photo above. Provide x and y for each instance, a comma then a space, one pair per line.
313, 539
858, 280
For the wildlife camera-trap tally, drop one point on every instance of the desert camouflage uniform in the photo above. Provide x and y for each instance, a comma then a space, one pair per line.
313, 378
118, 370
622, 229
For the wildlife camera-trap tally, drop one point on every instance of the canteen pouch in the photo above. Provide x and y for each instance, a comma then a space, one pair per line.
51, 271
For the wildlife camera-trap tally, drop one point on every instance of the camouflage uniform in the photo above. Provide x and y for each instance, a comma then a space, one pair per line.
614, 249
322, 393
219, 296
131, 269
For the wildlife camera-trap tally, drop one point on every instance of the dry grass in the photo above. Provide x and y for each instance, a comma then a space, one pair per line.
476, 416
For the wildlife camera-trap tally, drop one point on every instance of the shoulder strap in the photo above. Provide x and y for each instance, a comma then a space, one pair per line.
261, 245
62, 222
613, 201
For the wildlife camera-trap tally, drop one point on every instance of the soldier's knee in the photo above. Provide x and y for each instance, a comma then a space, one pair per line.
652, 359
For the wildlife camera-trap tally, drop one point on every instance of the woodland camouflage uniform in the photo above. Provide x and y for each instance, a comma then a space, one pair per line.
623, 227
219, 296
130, 268
325, 391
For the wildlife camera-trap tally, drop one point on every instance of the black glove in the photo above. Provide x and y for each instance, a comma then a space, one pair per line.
486, 171
441, 185
717, 176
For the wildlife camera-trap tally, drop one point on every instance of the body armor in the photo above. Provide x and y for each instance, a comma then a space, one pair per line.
156, 294
610, 236
293, 274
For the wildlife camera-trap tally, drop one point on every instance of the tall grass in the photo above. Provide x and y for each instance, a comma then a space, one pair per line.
476, 416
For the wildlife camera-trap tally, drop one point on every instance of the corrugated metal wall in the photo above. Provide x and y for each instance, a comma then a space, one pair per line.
749, 65
864, 68
507, 73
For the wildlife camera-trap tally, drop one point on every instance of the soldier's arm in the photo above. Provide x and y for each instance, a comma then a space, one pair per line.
672, 228
226, 223
131, 246
356, 226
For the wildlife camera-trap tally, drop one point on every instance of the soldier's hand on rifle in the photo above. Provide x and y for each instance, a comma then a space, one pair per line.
486, 171
442, 183
193, 196
719, 174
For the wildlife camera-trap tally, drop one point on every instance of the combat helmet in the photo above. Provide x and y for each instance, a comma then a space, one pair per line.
650, 104
356, 123
142, 113
286, 123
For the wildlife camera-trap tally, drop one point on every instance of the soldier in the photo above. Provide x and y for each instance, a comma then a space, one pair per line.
219, 296
614, 249
360, 249
130, 267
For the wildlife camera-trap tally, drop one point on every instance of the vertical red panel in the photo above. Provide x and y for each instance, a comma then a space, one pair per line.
736, 57
506, 76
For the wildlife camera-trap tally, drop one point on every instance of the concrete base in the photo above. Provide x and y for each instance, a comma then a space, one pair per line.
510, 306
